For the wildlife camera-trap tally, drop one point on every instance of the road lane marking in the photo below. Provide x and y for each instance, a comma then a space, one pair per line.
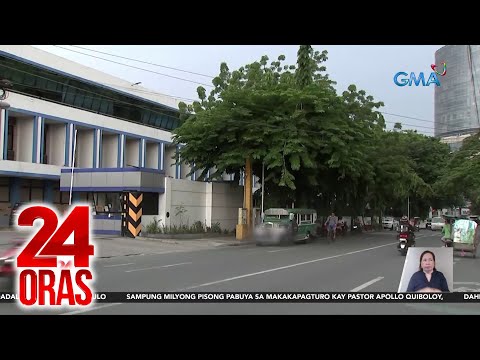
287, 266
272, 251
457, 260
119, 265
243, 276
184, 263
89, 309
368, 283
158, 267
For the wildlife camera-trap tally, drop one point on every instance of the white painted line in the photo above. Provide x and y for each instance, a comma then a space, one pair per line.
184, 263
149, 268
272, 251
368, 283
287, 267
158, 267
119, 265
239, 277
89, 309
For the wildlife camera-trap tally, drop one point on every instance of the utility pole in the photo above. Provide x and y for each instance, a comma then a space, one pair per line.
248, 194
408, 207
263, 187
246, 230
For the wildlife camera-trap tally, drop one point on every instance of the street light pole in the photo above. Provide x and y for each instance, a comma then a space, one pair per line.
408, 207
73, 166
263, 186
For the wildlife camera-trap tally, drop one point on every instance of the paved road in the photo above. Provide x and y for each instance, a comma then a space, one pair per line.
367, 263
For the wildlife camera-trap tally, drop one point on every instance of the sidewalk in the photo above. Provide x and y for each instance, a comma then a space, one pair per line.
114, 246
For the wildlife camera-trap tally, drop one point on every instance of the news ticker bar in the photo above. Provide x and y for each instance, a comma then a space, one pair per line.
272, 297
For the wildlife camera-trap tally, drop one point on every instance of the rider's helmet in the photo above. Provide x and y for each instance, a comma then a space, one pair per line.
404, 218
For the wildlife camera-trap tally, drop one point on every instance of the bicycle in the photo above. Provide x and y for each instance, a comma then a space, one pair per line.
331, 234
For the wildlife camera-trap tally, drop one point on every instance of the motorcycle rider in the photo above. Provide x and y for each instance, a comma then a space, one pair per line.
447, 232
404, 221
405, 226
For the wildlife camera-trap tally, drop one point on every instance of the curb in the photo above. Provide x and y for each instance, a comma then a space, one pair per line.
114, 256
199, 236
241, 243
181, 241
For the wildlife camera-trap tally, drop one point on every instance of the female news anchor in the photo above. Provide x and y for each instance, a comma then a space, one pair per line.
427, 278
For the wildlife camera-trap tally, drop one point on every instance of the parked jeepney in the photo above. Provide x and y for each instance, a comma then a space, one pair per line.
286, 226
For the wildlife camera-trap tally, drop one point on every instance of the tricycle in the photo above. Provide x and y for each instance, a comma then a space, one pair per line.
466, 236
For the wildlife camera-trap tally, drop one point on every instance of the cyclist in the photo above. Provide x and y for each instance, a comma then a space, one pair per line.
331, 225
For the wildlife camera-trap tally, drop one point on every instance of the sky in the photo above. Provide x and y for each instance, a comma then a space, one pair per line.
369, 67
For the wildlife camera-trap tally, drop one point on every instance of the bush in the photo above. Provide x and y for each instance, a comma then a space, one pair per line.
154, 226
197, 227
216, 228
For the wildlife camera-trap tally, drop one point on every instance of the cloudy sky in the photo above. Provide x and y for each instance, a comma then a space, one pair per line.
370, 68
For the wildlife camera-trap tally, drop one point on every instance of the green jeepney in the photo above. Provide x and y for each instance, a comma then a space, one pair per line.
287, 225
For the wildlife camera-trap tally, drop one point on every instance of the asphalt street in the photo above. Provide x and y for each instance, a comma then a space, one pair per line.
369, 262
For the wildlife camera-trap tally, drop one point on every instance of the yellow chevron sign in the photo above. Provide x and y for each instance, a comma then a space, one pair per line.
134, 216
134, 201
134, 230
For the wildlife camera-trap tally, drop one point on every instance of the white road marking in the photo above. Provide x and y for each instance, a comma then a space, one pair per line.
457, 260
368, 283
286, 267
158, 267
119, 265
272, 251
89, 309
471, 286
246, 275
184, 263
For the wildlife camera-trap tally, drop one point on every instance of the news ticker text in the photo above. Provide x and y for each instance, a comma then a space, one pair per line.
272, 297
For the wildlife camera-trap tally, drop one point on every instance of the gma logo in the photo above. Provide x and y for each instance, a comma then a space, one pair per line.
403, 79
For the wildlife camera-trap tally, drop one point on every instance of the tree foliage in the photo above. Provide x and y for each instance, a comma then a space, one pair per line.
459, 178
320, 149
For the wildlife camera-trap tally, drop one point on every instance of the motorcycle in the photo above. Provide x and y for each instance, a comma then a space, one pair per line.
447, 242
356, 227
406, 239
416, 223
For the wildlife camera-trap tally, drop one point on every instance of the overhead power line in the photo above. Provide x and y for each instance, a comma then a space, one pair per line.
247, 122
157, 93
137, 67
160, 113
141, 61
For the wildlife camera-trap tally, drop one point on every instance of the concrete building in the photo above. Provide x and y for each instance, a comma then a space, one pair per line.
457, 100
123, 142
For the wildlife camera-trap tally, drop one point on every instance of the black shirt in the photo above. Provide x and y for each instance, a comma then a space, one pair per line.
419, 281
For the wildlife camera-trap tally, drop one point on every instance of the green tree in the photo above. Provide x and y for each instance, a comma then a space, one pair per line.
320, 149
459, 179
254, 112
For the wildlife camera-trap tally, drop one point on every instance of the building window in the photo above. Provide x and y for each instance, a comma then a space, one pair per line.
150, 204
10, 137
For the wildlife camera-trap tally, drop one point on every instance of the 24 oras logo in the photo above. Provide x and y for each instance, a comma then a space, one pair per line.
402, 78
53, 270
